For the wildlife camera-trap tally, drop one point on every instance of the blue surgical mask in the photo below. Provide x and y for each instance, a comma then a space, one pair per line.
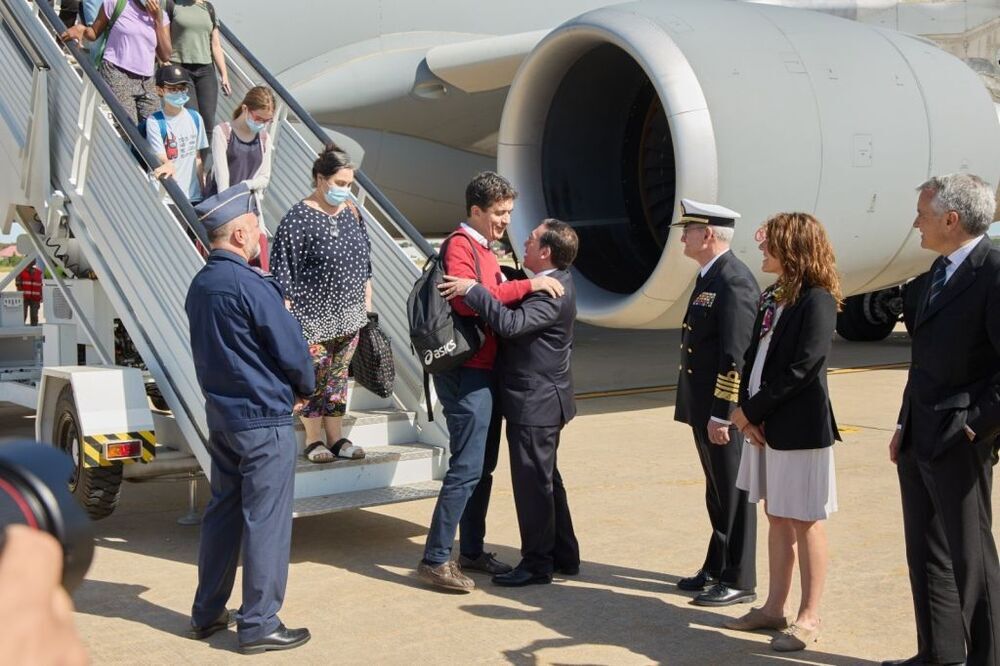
336, 195
256, 128
177, 99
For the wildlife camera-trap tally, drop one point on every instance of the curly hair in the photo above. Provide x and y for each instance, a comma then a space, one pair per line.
800, 244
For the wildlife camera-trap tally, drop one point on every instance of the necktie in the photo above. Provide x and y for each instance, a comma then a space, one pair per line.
938, 278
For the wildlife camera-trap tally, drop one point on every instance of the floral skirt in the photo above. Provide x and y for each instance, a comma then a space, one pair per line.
331, 359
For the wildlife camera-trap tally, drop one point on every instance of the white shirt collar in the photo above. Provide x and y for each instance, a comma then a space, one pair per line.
961, 254
706, 267
546, 272
476, 236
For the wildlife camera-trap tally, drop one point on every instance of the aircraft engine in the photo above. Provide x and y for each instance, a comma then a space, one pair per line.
619, 113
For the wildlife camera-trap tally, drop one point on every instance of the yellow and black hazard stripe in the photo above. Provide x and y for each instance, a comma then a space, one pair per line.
727, 386
93, 447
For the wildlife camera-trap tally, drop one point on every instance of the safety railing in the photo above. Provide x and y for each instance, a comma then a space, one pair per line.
139, 248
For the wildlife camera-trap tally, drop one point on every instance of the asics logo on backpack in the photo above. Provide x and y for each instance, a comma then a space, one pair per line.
441, 351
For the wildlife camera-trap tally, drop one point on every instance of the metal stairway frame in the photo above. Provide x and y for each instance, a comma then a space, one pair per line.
89, 155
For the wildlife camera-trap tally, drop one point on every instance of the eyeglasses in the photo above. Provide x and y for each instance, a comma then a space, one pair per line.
258, 119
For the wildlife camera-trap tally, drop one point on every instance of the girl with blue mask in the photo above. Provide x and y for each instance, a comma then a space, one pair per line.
241, 151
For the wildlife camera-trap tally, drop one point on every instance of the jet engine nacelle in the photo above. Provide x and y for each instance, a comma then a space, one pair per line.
618, 114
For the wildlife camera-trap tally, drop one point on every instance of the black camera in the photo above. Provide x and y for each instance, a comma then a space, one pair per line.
34, 492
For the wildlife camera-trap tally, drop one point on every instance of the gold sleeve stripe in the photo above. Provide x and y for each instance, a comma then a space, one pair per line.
728, 396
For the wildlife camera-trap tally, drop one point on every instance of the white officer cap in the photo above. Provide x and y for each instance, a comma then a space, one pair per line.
695, 212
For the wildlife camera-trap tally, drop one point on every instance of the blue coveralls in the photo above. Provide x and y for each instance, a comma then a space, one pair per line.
252, 361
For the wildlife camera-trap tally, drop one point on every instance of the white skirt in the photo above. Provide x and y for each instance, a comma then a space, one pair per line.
798, 484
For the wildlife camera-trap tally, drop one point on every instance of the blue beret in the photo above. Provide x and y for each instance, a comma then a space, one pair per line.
226, 206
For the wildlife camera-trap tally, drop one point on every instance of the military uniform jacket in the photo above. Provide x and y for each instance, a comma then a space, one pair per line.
715, 335
249, 352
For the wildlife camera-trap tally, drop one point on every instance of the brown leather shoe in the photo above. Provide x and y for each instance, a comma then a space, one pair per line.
446, 576
755, 619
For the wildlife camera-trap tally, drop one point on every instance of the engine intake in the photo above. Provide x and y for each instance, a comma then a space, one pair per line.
622, 111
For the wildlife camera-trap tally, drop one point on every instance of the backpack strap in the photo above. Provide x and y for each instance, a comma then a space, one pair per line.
197, 122
161, 120
103, 41
475, 254
211, 12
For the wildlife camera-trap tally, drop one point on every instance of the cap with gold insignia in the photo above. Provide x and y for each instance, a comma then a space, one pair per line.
695, 212
226, 206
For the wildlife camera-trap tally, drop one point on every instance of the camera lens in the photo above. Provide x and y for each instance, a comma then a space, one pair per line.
33, 492
19, 506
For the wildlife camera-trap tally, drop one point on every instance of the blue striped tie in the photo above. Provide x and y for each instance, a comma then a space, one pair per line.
938, 278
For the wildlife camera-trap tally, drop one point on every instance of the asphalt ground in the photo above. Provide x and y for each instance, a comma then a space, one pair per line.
637, 495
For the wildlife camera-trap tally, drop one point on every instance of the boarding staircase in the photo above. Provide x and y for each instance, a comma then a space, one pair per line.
70, 178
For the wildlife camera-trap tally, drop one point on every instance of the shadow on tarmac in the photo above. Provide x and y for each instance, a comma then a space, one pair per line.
606, 605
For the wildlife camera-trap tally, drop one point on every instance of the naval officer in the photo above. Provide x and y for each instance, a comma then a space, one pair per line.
715, 335
253, 365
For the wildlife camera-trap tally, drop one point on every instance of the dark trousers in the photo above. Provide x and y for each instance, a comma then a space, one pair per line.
466, 395
952, 558
205, 99
253, 478
31, 312
732, 548
547, 537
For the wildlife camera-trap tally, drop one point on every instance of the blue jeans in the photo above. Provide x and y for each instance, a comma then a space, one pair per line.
466, 394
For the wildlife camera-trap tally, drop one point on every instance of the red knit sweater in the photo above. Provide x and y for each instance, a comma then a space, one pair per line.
459, 261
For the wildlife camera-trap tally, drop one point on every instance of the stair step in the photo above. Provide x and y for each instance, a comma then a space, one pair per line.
373, 427
383, 467
374, 455
359, 499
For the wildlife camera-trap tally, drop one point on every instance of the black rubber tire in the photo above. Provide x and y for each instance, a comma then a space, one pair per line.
854, 325
98, 489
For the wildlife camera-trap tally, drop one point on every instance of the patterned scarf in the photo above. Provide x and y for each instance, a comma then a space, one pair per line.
768, 306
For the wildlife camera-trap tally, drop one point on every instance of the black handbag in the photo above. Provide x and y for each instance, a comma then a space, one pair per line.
372, 365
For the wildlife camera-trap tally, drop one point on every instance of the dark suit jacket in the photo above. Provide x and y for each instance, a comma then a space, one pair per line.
535, 382
954, 377
714, 336
793, 402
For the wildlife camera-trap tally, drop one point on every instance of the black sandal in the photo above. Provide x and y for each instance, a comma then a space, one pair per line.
317, 452
345, 448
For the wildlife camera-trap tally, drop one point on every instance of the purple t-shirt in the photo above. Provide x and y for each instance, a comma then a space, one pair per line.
132, 40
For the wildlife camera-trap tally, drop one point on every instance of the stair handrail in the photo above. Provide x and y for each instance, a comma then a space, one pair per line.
139, 142
395, 215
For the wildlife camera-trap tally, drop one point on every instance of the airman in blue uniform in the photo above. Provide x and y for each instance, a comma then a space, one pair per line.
253, 366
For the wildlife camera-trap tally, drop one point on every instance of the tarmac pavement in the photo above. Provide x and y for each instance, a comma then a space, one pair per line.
637, 495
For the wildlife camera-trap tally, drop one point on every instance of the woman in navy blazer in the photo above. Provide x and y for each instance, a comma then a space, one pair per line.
788, 422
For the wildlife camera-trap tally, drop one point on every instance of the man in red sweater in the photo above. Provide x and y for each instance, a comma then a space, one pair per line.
466, 395
29, 282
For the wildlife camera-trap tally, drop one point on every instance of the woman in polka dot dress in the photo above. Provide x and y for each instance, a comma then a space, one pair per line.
321, 258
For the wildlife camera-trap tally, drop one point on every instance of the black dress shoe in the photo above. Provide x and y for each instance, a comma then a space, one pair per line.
519, 577
281, 638
697, 582
224, 621
567, 569
721, 594
917, 660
